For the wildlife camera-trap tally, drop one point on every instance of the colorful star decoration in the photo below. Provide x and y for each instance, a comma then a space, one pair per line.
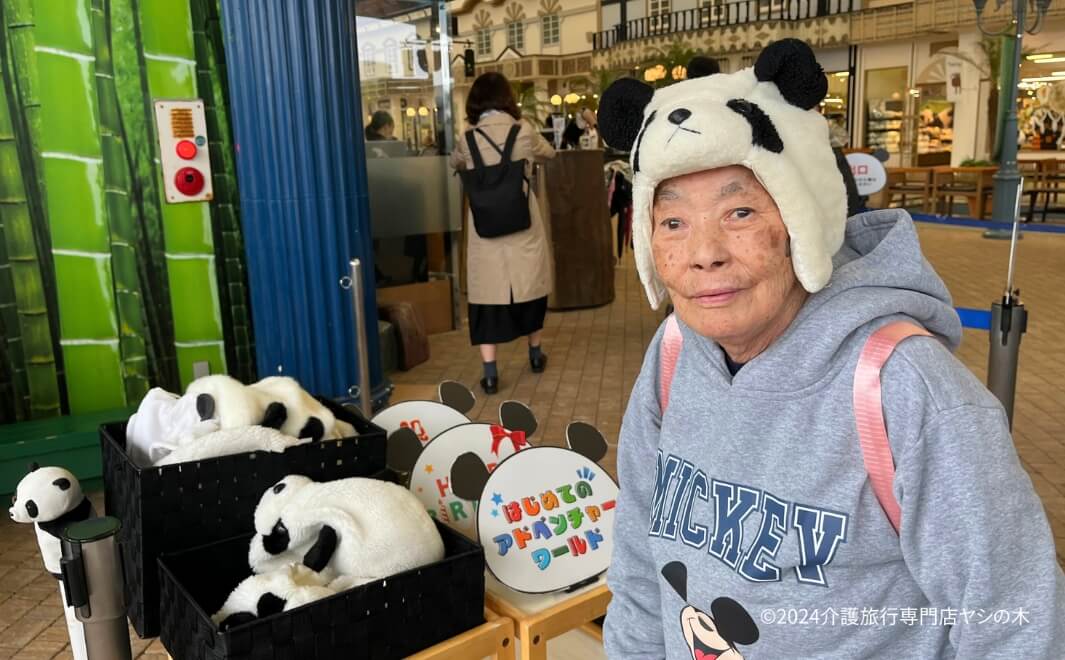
497, 499
429, 468
495, 513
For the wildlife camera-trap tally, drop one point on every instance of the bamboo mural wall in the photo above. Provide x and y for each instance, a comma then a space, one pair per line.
105, 289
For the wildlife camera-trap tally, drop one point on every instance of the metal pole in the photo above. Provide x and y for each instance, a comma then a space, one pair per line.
1009, 320
1008, 176
362, 351
92, 575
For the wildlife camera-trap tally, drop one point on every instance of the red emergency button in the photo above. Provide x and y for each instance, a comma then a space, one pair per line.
186, 149
189, 181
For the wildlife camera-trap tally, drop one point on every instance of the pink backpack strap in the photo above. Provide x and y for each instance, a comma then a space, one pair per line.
668, 352
869, 412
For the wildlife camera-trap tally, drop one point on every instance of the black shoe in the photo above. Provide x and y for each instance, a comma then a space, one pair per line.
538, 364
490, 385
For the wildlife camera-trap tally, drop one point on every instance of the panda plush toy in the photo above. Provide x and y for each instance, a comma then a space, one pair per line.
51, 499
763, 118
357, 529
278, 591
219, 415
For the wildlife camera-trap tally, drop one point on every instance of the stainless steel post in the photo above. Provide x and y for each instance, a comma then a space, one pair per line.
92, 575
1009, 320
362, 351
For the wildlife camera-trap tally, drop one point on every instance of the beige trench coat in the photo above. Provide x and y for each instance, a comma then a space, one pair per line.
518, 263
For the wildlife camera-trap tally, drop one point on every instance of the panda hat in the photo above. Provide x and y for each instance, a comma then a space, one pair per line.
763, 118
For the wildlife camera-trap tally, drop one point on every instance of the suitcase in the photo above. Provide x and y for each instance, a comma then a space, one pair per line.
413, 339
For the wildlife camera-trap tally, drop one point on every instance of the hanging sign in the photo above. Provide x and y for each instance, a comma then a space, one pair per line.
953, 73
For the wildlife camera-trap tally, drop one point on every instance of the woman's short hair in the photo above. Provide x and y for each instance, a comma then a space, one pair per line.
491, 91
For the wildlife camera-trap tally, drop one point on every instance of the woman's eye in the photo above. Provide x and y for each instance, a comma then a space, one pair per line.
671, 223
742, 214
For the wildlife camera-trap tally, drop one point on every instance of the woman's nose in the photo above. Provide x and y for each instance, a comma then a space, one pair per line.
707, 250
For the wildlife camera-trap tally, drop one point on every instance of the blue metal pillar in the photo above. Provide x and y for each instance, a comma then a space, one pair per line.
294, 97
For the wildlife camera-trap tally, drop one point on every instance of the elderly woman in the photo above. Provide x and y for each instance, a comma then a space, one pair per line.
776, 502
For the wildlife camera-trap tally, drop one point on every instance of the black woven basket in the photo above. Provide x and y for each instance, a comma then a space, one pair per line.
390, 618
182, 506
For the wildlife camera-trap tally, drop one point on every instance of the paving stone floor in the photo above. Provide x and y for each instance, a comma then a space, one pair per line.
595, 355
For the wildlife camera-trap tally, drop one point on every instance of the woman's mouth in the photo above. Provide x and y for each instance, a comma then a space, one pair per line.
715, 297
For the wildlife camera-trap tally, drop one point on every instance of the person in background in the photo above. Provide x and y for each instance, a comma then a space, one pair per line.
701, 65
381, 127
509, 277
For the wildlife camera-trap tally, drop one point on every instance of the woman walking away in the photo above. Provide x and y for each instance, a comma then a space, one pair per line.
508, 260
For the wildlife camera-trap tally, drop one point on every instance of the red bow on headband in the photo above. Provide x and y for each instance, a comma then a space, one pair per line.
517, 438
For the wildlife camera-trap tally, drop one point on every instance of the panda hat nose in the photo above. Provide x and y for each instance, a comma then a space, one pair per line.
679, 116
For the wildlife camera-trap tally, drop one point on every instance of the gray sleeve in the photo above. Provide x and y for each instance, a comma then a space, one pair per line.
633, 628
976, 538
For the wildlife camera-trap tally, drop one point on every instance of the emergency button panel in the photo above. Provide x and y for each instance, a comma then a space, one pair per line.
183, 152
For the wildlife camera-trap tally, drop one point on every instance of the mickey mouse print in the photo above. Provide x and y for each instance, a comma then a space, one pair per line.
712, 635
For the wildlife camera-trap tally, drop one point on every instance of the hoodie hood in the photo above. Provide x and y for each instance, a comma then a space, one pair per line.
879, 276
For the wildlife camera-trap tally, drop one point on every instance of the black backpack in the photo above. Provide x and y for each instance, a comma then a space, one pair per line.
497, 192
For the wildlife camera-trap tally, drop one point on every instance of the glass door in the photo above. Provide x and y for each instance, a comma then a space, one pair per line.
405, 54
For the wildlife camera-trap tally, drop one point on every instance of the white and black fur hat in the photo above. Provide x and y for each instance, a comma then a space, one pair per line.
763, 118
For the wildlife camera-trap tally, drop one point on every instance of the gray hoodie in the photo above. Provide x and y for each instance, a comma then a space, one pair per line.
746, 526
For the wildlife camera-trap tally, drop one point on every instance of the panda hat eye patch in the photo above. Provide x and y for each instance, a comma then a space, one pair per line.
763, 132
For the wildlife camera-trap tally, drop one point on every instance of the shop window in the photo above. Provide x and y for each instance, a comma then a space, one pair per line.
516, 35
549, 28
834, 107
886, 97
484, 42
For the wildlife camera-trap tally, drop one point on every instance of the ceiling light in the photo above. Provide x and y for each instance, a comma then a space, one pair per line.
1039, 56
1050, 60
1043, 79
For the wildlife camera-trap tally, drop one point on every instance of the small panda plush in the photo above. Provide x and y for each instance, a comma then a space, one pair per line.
277, 591
305, 417
51, 499
363, 529
764, 118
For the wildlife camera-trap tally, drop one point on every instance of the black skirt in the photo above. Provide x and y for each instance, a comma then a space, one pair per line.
499, 324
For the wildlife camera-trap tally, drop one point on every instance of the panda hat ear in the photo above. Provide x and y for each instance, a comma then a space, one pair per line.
621, 112
33, 467
791, 65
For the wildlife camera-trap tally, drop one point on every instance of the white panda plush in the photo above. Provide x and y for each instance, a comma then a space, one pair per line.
357, 528
51, 499
277, 591
207, 421
231, 441
306, 418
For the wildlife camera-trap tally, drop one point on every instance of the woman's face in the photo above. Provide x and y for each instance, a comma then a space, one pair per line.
387, 130
722, 250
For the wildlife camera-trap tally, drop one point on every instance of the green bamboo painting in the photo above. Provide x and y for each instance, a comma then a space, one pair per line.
121, 218
131, 87
170, 66
25, 314
72, 160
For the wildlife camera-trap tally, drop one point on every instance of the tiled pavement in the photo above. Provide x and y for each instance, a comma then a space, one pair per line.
595, 356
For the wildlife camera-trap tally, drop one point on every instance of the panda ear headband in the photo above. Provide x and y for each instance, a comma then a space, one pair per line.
762, 118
